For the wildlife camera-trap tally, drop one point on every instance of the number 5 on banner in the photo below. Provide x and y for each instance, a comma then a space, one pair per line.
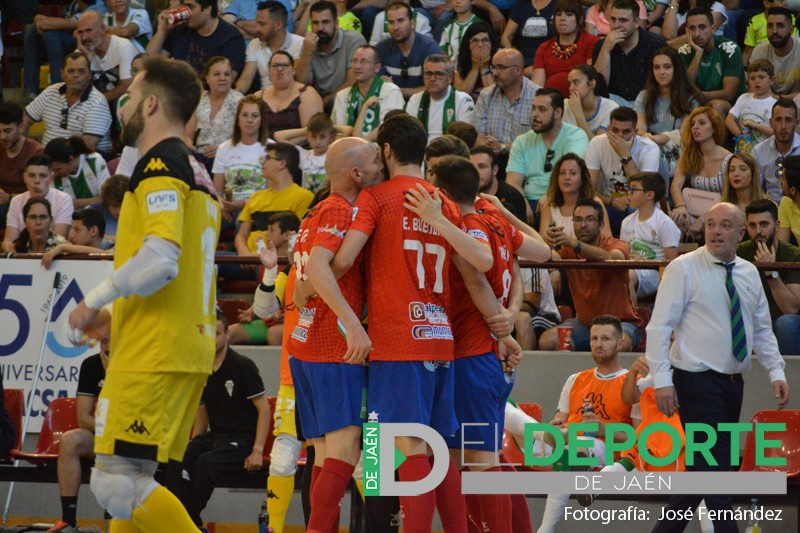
10, 304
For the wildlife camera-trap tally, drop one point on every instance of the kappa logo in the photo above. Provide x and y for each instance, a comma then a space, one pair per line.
271, 495
155, 164
137, 427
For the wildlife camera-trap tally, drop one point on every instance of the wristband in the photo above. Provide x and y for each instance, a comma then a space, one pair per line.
268, 279
105, 293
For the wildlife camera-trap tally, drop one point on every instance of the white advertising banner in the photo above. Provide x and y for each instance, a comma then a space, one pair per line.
25, 291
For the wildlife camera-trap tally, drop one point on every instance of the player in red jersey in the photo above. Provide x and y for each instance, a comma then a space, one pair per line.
329, 390
407, 299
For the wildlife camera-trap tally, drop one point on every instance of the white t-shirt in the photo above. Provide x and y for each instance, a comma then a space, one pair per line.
464, 111
115, 66
313, 167
600, 156
60, 205
759, 110
127, 161
648, 238
600, 120
259, 52
391, 98
142, 21
379, 31
240, 163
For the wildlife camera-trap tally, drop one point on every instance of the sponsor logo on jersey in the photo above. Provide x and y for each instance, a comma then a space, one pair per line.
300, 334
435, 314
306, 317
332, 230
163, 200
137, 427
431, 332
416, 311
155, 164
355, 212
478, 234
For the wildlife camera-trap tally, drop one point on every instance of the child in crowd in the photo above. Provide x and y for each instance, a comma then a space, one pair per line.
454, 30
319, 133
539, 311
649, 232
757, 28
130, 23
111, 195
753, 109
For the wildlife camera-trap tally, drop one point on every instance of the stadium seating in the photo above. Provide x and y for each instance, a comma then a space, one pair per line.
61, 417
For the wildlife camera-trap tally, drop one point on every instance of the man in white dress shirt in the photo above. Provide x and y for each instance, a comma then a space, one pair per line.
710, 298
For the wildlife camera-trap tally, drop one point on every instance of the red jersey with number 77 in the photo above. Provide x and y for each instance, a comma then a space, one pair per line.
316, 336
407, 265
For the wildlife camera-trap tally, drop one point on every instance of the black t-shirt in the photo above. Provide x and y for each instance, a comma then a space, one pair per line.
186, 44
512, 200
91, 377
629, 71
228, 395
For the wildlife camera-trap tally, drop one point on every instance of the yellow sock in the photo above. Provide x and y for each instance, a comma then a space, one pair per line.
360, 485
279, 495
123, 526
162, 511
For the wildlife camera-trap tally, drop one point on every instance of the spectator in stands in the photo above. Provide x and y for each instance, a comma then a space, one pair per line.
602, 384
77, 170
782, 50
280, 165
237, 166
701, 165
585, 107
242, 15
788, 209
781, 288
78, 443
502, 112
440, 104
366, 103
110, 57
290, 103
380, 27
484, 160
453, 32
533, 154
215, 118
666, 100
615, 155
15, 149
712, 62
129, 23
570, 47
111, 194
230, 427
785, 142
319, 134
701, 371
594, 292
347, 19
597, 22
757, 31
753, 108
327, 52
649, 232
202, 37
742, 181
675, 26
404, 52
52, 36
271, 20
85, 236
464, 131
570, 181
473, 65
623, 56
529, 25
73, 107
38, 178
37, 237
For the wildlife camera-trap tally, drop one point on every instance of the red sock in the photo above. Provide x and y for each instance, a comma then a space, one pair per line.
417, 510
496, 509
474, 523
450, 502
315, 472
327, 494
520, 514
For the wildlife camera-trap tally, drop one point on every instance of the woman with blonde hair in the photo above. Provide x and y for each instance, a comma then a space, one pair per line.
742, 181
702, 163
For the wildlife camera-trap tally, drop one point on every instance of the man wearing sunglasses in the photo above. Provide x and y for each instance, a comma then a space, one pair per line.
534, 153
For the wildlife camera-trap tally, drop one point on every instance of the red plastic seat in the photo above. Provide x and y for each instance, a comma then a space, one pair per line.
790, 443
14, 400
61, 416
273, 401
230, 307
566, 312
511, 451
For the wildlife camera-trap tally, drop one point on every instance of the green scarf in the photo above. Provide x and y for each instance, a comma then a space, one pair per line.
448, 114
371, 119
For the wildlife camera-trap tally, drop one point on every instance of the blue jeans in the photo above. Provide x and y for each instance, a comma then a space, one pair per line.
787, 331
56, 43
